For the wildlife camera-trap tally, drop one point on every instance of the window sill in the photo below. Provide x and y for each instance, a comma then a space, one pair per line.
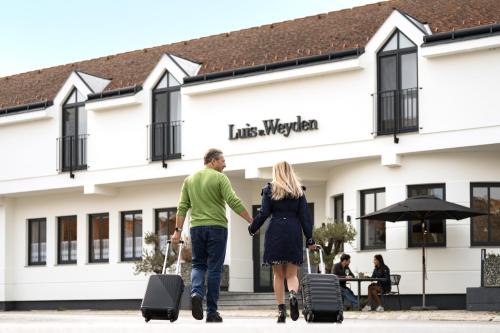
168, 158
35, 265
97, 262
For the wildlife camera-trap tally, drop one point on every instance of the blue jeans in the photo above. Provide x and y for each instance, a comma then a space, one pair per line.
347, 294
209, 251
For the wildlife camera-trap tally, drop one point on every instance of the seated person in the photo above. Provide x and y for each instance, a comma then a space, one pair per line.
380, 271
341, 269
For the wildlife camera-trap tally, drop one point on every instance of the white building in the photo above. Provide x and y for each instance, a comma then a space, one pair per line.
84, 174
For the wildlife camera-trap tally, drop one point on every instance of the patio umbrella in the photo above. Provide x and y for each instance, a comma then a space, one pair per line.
423, 208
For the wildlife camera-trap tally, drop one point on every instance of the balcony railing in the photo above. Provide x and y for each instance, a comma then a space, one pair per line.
72, 153
165, 139
396, 111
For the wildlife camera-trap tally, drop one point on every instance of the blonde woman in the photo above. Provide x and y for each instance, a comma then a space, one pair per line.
284, 200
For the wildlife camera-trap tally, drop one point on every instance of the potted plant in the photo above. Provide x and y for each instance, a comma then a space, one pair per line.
332, 236
491, 270
153, 258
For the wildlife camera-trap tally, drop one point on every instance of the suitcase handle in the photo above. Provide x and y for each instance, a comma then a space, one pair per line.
322, 267
178, 265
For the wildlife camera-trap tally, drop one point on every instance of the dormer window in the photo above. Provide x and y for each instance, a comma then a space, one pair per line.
397, 96
72, 144
166, 124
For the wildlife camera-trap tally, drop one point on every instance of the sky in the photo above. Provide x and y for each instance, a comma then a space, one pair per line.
37, 34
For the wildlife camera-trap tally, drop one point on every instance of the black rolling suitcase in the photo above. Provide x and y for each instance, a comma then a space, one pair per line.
321, 295
163, 293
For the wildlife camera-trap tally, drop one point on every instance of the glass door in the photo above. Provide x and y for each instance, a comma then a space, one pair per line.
262, 276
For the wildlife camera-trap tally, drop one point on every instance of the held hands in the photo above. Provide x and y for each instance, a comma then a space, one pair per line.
312, 247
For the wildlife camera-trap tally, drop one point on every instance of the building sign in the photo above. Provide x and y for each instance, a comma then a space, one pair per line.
272, 127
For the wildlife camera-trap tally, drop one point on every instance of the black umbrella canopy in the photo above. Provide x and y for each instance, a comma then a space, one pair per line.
423, 208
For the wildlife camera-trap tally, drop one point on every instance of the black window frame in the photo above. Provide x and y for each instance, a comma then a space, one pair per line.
335, 213
362, 206
122, 236
59, 257
166, 154
489, 242
31, 223
398, 53
91, 238
79, 139
409, 225
157, 219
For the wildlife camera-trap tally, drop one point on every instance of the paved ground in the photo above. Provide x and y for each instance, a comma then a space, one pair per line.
248, 321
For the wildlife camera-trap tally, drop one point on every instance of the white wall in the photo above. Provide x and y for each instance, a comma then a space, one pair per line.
113, 280
458, 91
28, 149
450, 269
457, 108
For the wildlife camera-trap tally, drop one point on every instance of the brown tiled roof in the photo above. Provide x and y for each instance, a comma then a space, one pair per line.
312, 35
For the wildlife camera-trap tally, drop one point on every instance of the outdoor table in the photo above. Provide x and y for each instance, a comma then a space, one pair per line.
359, 280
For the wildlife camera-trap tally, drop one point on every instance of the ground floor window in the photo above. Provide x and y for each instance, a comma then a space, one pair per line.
338, 208
372, 231
37, 241
165, 224
485, 230
67, 236
435, 228
131, 235
99, 237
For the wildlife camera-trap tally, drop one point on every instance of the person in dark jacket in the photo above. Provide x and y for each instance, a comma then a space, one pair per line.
341, 269
380, 271
284, 200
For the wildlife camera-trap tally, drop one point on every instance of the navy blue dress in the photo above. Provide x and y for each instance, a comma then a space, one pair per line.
289, 219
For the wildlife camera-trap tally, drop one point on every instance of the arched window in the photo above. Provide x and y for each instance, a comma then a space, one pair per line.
74, 133
166, 126
397, 86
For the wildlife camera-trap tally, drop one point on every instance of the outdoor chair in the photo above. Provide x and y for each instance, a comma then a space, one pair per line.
395, 278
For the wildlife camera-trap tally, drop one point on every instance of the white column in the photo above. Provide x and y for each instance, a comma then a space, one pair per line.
3, 249
81, 239
239, 250
5, 218
114, 237
51, 241
148, 224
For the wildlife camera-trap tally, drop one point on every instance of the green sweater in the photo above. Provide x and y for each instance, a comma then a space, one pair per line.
206, 193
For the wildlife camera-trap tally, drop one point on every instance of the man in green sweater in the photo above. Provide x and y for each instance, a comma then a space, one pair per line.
206, 193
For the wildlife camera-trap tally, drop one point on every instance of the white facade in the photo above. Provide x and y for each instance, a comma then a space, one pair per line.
458, 142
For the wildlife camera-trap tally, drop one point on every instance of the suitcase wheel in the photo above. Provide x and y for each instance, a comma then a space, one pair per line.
147, 319
340, 318
309, 316
174, 317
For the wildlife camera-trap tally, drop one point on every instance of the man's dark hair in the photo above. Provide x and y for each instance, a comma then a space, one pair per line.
344, 256
212, 154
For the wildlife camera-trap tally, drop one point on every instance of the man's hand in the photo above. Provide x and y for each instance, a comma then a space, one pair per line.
312, 247
175, 237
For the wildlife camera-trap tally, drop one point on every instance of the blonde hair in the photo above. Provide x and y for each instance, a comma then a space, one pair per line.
285, 182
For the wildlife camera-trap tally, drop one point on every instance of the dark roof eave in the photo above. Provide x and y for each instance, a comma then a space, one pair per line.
121, 92
30, 107
287, 64
462, 34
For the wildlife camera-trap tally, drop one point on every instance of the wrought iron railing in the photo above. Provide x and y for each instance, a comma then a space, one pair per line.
72, 153
395, 111
164, 141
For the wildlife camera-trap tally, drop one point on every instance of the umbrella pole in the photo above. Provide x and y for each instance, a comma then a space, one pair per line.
423, 264
424, 270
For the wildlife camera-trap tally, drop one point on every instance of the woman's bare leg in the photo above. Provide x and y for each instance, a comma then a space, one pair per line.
291, 277
279, 283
